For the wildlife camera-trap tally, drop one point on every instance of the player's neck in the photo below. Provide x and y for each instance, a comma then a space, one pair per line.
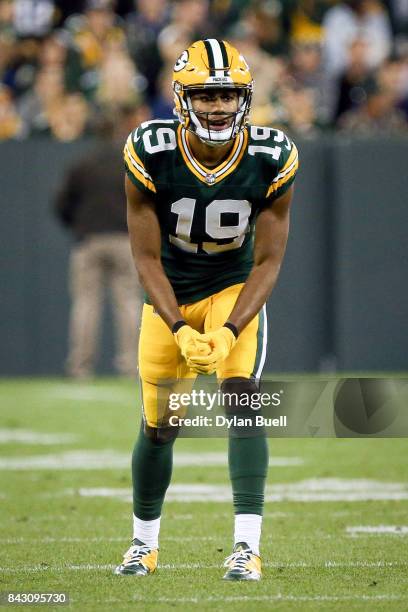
209, 156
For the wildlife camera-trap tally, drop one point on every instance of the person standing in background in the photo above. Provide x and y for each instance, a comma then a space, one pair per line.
91, 203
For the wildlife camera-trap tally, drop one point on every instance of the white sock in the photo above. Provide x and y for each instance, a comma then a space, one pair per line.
147, 531
248, 529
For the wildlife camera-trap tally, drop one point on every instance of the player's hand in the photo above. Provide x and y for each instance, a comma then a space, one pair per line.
220, 342
188, 341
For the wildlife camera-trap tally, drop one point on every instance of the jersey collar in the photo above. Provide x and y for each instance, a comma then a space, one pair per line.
211, 176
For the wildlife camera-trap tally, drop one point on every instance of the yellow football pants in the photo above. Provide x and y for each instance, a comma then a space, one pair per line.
162, 368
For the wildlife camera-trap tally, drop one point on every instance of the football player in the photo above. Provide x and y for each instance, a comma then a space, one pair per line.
208, 214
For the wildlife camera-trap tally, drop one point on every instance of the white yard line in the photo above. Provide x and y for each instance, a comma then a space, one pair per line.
52, 540
266, 598
297, 565
313, 490
221, 459
54, 568
27, 436
190, 566
368, 564
88, 392
399, 530
180, 517
110, 459
285, 461
69, 460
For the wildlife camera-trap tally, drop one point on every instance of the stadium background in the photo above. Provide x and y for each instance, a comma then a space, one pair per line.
334, 75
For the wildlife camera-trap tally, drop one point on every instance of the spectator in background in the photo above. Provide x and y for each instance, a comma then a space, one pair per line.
163, 103
69, 117
398, 10
19, 73
53, 51
89, 36
115, 52
11, 125
243, 36
266, 18
48, 88
7, 51
190, 21
305, 19
225, 13
91, 203
393, 76
300, 112
265, 68
34, 18
124, 7
305, 71
195, 16
7, 17
351, 19
119, 83
143, 27
354, 81
37, 104
65, 9
378, 115
173, 39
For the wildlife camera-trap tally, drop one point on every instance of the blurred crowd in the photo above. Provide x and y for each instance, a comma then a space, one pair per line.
67, 69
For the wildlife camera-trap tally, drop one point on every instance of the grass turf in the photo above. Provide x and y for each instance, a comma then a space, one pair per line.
53, 538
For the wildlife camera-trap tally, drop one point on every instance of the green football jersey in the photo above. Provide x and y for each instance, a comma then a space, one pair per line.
207, 215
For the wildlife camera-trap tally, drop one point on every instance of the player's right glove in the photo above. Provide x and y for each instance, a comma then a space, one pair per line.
188, 341
221, 342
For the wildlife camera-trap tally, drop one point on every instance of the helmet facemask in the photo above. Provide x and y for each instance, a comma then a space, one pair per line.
190, 118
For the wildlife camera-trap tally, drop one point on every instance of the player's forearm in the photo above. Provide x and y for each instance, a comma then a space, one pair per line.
271, 235
254, 294
157, 286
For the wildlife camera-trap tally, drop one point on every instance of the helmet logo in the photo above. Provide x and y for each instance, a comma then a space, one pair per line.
181, 62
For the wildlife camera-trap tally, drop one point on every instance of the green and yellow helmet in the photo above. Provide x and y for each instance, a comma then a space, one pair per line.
211, 64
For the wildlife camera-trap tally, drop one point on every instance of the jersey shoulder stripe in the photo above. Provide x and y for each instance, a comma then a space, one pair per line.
277, 159
135, 168
287, 173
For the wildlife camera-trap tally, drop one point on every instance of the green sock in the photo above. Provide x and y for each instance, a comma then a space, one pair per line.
152, 464
248, 466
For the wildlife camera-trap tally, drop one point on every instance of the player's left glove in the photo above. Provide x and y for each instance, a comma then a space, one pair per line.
221, 342
186, 338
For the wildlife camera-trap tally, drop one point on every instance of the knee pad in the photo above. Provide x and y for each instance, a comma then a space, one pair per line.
239, 403
160, 435
237, 394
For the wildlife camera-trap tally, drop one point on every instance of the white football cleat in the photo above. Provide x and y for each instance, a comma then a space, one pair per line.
243, 564
139, 560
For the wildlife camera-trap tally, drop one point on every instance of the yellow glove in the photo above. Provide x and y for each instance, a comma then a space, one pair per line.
188, 341
221, 342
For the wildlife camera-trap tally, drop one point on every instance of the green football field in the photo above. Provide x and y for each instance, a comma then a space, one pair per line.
335, 533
